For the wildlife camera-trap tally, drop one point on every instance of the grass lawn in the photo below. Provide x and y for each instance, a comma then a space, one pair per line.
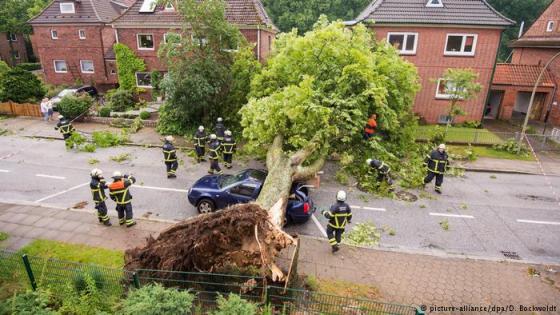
3, 236
489, 153
75, 253
342, 288
461, 135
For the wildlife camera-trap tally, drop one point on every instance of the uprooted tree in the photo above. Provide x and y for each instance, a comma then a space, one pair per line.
311, 100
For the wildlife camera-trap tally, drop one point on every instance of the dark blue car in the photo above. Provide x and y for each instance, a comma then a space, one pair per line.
214, 192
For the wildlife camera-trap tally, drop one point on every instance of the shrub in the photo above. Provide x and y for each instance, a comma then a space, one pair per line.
512, 146
105, 111
86, 300
127, 66
29, 66
136, 125
121, 100
20, 86
105, 139
475, 124
53, 90
155, 299
144, 115
72, 106
30, 302
81, 281
76, 140
234, 304
89, 147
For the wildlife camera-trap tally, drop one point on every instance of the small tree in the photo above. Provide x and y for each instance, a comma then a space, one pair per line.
461, 86
72, 106
127, 66
155, 300
20, 86
234, 304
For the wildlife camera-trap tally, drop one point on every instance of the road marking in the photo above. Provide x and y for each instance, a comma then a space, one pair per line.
451, 215
538, 222
161, 188
50, 176
4, 171
374, 209
62, 192
321, 228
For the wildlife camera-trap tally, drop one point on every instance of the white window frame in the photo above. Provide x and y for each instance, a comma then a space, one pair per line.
201, 41
165, 36
138, 41
142, 86
82, 66
12, 37
54, 65
550, 26
169, 7
402, 50
436, 5
439, 95
73, 11
53, 36
80, 32
462, 52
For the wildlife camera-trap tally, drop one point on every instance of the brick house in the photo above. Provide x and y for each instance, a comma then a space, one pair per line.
74, 39
514, 82
17, 49
436, 35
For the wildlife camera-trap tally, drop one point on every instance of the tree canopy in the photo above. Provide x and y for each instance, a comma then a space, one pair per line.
20, 86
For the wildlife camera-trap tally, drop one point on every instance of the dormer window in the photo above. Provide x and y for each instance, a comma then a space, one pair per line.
550, 26
169, 7
67, 8
434, 4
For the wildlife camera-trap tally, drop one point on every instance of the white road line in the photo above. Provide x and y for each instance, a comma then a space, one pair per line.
374, 209
451, 215
62, 192
355, 207
319, 226
539, 222
50, 176
161, 188
4, 171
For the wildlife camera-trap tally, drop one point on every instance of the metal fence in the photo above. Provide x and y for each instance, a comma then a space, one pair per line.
58, 274
468, 136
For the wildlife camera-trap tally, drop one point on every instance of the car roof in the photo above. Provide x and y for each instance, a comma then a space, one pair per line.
253, 175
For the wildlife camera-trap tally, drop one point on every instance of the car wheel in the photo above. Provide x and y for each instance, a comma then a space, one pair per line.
287, 220
205, 206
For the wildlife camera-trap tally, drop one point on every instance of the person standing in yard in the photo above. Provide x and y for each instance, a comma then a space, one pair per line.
170, 157
200, 139
119, 192
437, 163
339, 215
45, 108
98, 186
228, 147
50, 110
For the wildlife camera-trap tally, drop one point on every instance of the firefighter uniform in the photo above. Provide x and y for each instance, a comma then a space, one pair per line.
339, 215
228, 148
98, 186
213, 155
383, 171
219, 130
200, 139
119, 192
170, 159
437, 163
65, 127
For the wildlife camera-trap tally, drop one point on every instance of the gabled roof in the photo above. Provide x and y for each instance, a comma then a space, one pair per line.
238, 12
521, 75
87, 11
537, 36
459, 12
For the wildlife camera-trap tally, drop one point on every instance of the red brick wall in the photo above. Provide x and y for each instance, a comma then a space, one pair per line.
127, 36
72, 49
267, 39
432, 63
18, 45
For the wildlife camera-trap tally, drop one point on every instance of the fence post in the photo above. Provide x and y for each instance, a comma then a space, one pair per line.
135, 280
29, 271
266, 296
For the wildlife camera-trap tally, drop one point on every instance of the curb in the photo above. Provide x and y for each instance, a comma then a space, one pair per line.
485, 170
128, 144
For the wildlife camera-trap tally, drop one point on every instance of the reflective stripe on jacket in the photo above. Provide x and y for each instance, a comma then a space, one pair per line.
200, 139
65, 127
97, 187
437, 162
339, 215
229, 145
169, 152
213, 148
119, 192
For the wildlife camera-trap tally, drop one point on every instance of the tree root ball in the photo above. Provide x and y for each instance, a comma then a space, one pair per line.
240, 236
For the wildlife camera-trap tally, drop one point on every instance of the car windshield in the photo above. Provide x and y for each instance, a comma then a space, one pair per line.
66, 92
226, 180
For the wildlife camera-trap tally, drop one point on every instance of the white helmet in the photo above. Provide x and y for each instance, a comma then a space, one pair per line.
201, 128
117, 174
96, 172
441, 147
227, 133
60, 116
169, 138
341, 195
213, 137
220, 119
368, 161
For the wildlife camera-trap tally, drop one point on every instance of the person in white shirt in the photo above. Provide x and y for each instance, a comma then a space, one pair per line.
45, 108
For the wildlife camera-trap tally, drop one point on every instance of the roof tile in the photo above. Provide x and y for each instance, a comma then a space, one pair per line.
521, 75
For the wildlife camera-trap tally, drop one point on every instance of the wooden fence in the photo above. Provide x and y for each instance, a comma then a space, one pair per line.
26, 109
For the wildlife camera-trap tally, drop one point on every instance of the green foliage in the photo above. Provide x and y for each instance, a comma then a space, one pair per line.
89, 147
475, 124
80, 281
121, 100
512, 146
28, 303
127, 66
84, 300
53, 90
363, 234
156, 78
119, 158
245, 67
106, 139
4, 68
234, 304
3, 236
438, 135
461, 85
72, 106
136, 125
145, 115
36, 7
105, 111
93, 161
20, 86
76, 141
444, 225
29, 66
155, 300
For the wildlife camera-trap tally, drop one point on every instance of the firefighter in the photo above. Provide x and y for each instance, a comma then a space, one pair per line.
200, 139
371, 125
437, 163
220, 129
65, 127
170, 157
228, 148
119, 192
383, 171
98, 186
213, 155
339, 215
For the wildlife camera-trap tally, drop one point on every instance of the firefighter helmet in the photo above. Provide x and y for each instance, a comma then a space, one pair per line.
117, 175
341, 195
220, 119
201, 128
441, 147
96, 172
227, 133
169, 139
368, 161
213, 137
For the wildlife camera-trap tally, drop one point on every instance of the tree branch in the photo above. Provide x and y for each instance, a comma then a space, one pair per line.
275, 151
301, 155
305, 173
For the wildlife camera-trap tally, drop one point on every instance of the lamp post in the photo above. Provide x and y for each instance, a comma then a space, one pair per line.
524, 129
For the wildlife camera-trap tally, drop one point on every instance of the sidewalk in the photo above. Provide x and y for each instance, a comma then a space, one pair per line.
400, 277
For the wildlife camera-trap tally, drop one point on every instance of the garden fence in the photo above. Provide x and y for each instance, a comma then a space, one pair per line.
58, 275
16, 109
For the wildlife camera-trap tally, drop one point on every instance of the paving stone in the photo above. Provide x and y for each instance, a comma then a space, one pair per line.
35, 233
21, 230
8, 227
70, 226
43, 222
55, 224
14, 217
30, 219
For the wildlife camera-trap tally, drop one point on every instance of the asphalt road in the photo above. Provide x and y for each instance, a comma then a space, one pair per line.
487, 214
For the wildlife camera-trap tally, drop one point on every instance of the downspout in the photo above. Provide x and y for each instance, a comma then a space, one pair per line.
103, 52
116, 33
491, 80
259, 43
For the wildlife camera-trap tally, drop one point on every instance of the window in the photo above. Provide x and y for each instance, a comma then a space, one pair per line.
174, 37
11, 37
169, 7
199, 41
60, 66
86, 66
405, 43
15, 53
145, 42
243, 190
54, 34
444, 89
460, 45
143, 79
550, 26
67, 8
82, 34
434, 4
